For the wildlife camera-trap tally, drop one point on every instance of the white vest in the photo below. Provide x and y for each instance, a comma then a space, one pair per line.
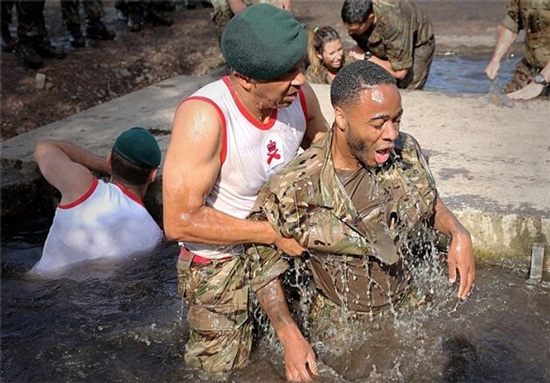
251, 154
107, 221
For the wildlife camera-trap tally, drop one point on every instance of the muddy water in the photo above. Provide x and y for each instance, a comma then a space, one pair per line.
465, 74
122, 322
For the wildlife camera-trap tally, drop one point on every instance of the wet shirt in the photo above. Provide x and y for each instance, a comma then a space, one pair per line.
532, 16
308, 201
399, 28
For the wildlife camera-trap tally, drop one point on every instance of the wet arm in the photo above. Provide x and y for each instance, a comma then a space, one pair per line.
461, 255
299, 355
191, 168
68, 167
398, 74
505, 40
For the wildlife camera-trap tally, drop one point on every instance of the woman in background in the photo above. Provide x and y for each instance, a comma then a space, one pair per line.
325, 55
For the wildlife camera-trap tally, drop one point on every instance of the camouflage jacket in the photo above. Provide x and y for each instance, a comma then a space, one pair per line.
399, 28
532, 16
307, 201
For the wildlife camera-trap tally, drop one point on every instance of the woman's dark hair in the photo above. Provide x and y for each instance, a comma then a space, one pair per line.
128, 173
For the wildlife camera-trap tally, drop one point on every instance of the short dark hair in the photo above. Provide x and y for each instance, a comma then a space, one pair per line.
128, 173
356, 77
355, 11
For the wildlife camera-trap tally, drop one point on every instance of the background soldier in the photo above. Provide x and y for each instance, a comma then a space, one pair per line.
95, 29
532, 74
394, 34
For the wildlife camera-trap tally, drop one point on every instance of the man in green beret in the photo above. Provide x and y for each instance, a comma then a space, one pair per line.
97, 219
228, 139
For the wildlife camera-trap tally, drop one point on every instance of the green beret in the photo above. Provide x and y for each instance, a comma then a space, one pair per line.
139, 147
263, 42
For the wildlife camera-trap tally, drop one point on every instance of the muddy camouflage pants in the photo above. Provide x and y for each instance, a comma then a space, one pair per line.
219, 313
418, 75
222, 13
70, 9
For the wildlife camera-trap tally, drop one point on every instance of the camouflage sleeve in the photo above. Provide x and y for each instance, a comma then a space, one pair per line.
427, 186
398, 35
267, 262
512, 20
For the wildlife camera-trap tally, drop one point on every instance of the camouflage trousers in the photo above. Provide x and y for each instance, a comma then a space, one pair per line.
219, 312
70, 10
222, 12
418, 74
524, 75
30, 19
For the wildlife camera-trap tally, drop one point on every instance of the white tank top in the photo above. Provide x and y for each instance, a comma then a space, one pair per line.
108, 221
251, 154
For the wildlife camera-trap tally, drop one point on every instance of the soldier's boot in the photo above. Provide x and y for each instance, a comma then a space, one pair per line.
46, 50
27, 55
156, 18
135, 22
96, 30
121, 10
8, 44
76, 38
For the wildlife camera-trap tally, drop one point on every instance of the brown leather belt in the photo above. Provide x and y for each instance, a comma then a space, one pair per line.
186, 255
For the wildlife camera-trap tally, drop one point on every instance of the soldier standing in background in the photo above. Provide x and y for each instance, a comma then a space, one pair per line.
95, 29
32, 39
8, 43
224, 10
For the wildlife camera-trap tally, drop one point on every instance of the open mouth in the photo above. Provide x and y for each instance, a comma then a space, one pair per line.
382, 155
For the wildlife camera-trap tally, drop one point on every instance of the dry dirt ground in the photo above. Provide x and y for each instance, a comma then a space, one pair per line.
109, 69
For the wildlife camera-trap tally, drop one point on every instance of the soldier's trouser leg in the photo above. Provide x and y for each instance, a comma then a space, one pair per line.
30, 19
218, 315
94, 9
70, 13
523, 76
422, 61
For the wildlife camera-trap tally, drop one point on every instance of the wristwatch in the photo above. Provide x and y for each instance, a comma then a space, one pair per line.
368, 55
539, 79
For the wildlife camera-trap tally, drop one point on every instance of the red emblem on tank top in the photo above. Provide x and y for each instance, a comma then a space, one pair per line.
272, 152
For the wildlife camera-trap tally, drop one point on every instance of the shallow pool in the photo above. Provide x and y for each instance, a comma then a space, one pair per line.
122, 322
465, 74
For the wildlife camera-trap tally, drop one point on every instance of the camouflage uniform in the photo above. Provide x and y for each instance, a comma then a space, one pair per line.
222, 12
317, 78
307, 201
219, 313
30, 20
71, 15
403, 35
533, 16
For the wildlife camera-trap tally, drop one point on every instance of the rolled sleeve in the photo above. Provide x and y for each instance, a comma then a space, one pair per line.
512, 20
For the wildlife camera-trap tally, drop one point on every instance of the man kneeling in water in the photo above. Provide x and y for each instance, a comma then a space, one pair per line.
351, 200
97, 219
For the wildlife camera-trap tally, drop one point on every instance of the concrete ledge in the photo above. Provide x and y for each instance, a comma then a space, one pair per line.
491, 163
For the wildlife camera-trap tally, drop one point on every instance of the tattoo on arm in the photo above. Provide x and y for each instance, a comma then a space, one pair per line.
272, 299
